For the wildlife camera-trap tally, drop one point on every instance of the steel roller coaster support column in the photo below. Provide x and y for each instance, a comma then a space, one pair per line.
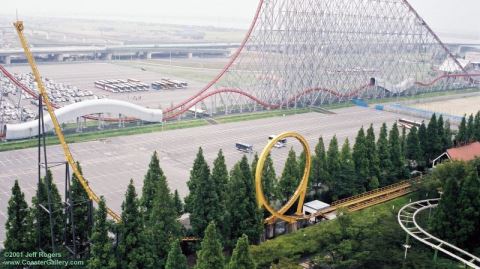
58, 131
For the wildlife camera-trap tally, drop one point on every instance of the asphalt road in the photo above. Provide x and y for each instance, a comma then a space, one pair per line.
109, 165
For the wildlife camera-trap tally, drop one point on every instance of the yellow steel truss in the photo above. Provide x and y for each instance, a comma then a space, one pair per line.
58, 131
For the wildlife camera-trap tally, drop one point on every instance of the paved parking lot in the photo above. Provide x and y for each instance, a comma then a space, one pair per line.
110, 164
83, 76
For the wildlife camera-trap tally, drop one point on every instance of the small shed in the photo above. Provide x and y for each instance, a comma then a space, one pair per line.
313, 207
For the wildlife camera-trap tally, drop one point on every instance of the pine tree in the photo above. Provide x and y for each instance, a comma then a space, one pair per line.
269, 177
318, 174
210, 255
345, 183
441, 134
470, 129
220, 176
193, 181
477, 126
447, 136
396, 157
413, 151
301, 164
373, 183
154, 175
101, 251
18, 234
333, 166
468, 234
403, 140
423, 139
434, 141
241, 257
360, 159
446, 216
132, 248
176, 259
81, 204
163, 226
462, 137
178, 204
289, 180
243, 215
372, 153
205, 204
384, 156
254, 165
41, 217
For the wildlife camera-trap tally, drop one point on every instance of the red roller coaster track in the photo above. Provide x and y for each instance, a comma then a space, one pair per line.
182, 107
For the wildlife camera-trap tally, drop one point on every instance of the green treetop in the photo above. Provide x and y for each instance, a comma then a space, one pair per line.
101, 248
18, 223
206, 206
413, 150
319, 172
241, 257
81, 204
289, 180
154, 175
345, 183
333, 164
176, 259
211, 252
243, 215
177, 202
132, 247
396, 157
470, 129
360, 159
462, 136
195, 173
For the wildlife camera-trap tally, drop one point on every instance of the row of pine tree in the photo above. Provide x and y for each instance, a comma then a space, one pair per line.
150, 231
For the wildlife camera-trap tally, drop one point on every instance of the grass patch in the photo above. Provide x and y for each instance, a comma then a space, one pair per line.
260, 115
82, 137
308, 241
369, 238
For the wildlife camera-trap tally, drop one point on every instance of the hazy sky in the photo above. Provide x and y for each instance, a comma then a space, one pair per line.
444, 16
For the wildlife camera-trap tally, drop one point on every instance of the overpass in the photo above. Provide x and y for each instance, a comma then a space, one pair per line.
141, 51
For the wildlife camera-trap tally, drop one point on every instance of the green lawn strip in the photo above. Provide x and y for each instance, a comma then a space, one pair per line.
260, 115
83, 137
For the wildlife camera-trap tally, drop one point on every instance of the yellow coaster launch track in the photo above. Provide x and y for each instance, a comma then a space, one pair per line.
58, 131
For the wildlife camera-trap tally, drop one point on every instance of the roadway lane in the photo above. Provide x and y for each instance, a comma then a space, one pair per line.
110, 164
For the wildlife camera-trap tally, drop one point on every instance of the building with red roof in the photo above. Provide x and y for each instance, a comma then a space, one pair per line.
464, 153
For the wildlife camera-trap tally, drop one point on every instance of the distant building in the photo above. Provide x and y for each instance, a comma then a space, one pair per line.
474, 59
464, 153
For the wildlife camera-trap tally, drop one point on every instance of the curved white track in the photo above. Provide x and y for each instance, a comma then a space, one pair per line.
72, 112
406, 218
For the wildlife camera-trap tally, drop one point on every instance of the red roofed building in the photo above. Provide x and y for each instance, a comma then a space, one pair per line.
464, 153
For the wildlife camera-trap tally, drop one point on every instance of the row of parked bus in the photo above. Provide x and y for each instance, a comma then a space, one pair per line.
166, 83
121, 85
247, 148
